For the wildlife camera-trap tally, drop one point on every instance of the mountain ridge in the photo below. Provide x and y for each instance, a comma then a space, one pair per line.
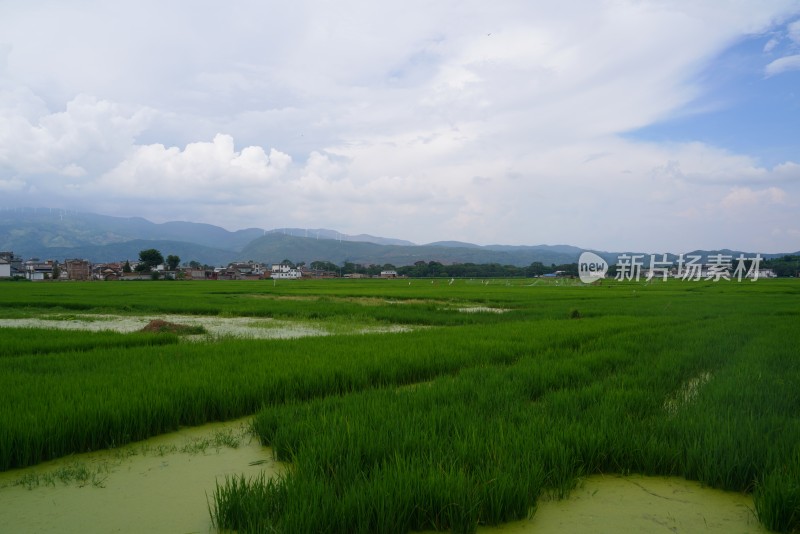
59, 234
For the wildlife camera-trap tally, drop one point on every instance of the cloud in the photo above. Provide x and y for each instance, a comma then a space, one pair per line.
5, 50
793, 31
89, 133
781, 65
770, 45
787, 171
788, 62
205, 171
741, 197
11, 184
72, 170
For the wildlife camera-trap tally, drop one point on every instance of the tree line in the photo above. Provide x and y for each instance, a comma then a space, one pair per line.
151, 258
435, 269
784, 266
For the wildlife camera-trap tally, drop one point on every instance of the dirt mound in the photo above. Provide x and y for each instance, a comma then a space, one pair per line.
160, 326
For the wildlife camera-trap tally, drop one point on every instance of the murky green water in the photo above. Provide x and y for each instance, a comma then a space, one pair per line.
160, 485
631, 504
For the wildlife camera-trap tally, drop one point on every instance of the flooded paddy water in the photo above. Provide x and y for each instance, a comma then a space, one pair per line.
162, 484
615, 504
216, 327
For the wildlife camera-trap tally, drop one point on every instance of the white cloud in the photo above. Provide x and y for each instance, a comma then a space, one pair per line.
5, 50
770, 45
11, 184
740, 197
88, 133
208, 172
781, 65
787, 171
73, 170
793, 31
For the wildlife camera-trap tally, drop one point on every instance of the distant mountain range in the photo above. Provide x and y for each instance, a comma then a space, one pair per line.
58, 234
279, 247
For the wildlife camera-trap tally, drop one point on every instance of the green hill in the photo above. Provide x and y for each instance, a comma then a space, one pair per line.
274, 248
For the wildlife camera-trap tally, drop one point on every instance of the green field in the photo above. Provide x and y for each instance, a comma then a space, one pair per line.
494, 395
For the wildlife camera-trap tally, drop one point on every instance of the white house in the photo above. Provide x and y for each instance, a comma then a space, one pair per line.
5, 269
766, 273
37, 270
286, 272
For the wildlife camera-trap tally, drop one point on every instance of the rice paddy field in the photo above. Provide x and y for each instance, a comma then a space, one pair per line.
417, 405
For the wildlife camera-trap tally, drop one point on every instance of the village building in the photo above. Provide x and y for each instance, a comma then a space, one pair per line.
37, 270
108, 271
318, 273
199, 274
249, 270
78, 269
285, 272
14, 262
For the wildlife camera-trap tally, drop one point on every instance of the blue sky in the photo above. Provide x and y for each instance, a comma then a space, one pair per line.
742, 109
653, 125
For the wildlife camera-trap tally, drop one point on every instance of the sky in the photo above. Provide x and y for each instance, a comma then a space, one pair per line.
648, 125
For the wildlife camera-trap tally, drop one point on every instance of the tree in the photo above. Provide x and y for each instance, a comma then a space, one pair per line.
148, 259
536, 268
127, 267
435, 269
785, 266
173, 262
324, 266
194, 264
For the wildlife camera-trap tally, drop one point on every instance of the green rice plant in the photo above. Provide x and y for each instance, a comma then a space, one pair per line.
72, 317
777, 498
465, 423
78, 473
33, 480
226, 438
248, 504
35, 341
